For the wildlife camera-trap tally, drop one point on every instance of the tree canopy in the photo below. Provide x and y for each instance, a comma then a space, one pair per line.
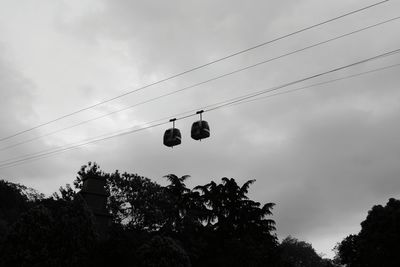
296, 253
215, 224
377, 244
52, 233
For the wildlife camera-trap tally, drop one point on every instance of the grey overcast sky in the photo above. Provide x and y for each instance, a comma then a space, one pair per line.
325, 155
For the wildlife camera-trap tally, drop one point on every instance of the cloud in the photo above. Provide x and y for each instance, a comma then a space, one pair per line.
15, 96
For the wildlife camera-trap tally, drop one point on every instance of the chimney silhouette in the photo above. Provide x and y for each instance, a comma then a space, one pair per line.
94, 193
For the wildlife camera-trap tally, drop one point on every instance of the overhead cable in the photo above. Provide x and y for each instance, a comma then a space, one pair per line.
193, 69
230, 102
200, 83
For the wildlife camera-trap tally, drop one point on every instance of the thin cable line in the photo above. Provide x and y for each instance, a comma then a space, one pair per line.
319, 84
59, 150
261, 92
200, 83
193, 69
117, 133
124, 131
219, 106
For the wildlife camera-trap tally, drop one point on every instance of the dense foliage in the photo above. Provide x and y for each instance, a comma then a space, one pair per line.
377, 244
215, 224
15, 199
296, 253
53, 233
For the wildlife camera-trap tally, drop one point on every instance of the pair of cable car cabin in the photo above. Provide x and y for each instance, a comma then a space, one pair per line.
200, 130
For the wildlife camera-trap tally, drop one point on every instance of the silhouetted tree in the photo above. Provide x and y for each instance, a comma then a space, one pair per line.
53, 233
180, 198
136, 201
15, 199
377, 244
65, 193
153, 225
296, 253
347, 251
237, 230
12, 202
232, 213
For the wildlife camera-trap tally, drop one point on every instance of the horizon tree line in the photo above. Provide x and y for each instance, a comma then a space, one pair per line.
215, 224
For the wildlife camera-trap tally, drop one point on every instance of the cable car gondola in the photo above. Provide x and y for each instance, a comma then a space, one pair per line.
172, 136
200, 129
